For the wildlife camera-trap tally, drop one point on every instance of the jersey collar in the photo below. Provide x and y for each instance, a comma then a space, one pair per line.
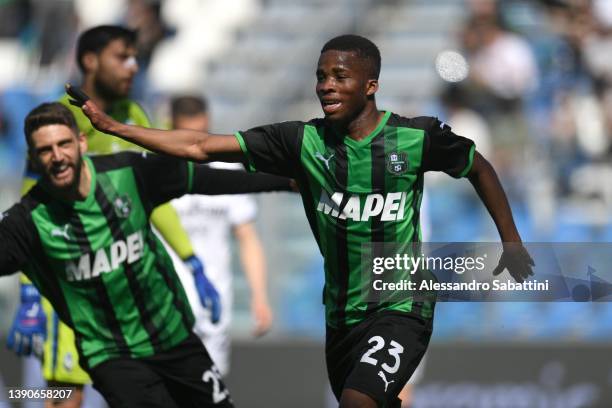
366, 140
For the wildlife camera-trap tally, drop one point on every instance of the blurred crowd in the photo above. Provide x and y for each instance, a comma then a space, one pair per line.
538, 101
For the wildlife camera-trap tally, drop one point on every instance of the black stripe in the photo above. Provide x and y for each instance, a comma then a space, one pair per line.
137, 292
102, 295
307, 200
417, 192
176, 300
342, 280
377, 151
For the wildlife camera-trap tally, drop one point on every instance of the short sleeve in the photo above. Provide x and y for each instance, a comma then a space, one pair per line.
445, 151
161, 177
273, 148
242, 209
17, 238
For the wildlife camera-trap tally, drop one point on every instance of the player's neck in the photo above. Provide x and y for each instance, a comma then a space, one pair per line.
364, 124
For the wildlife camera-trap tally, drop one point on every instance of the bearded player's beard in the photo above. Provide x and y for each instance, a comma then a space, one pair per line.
76, 181
106, 92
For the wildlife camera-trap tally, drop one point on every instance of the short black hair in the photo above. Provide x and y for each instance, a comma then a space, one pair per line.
363, 47
97, 38
53, 113
188, 105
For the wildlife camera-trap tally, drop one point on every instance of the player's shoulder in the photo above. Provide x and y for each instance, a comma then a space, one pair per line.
36, 197
65, 100
109, 162
426, 123
137, 114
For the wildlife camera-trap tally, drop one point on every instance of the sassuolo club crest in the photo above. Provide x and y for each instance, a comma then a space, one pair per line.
397, 163
123, 206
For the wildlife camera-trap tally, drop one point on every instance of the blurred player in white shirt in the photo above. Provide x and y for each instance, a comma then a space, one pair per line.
211, 222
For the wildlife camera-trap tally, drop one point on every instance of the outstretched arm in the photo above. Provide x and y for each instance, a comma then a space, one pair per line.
187, 144
486, 183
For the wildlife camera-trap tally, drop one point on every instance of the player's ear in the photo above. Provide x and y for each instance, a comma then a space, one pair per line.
372, 87
82, 139
90, 61
32, 160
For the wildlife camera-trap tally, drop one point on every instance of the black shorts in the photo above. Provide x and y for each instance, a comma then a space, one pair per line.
184, 376
378, 356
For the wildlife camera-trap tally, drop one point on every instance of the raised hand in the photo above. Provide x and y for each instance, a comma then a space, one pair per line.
100, 120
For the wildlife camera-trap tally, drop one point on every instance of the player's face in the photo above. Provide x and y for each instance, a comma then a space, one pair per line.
343, 85
197, 122
56, 152
115, 69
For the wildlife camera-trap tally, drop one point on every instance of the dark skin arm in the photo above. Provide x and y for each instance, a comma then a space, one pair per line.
486, 183
187, 144
489, 189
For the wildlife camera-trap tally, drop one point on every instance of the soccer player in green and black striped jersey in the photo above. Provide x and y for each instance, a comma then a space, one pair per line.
82, 235
360, 173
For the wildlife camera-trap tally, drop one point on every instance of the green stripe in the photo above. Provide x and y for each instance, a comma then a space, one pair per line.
359, 183
190, 170
321, 179
243, 147
470, 162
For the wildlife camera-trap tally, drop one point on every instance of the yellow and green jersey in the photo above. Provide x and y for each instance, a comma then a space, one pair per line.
124, 111
356, 193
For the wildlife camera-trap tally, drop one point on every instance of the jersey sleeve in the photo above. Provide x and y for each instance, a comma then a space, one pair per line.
273, 148
161, 177
445, 151
17, 238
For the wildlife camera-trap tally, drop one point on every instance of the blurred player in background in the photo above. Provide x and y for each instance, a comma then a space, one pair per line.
210, 221
82, 235
360, 173
106, 56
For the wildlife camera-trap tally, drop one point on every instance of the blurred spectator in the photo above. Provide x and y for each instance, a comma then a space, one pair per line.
502, 64
466, 121
144, 16
52, 40
503, 73
14, 16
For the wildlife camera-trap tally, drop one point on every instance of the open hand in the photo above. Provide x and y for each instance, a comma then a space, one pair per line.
517, 260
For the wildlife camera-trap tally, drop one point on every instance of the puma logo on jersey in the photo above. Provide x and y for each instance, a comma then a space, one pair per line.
381, 374
390, 206
323, 159
61, 232
107, 259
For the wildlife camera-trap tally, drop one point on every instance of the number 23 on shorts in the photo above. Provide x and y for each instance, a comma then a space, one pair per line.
395, 350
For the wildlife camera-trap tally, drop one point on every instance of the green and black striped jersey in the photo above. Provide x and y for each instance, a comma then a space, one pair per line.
359, 192
99, 263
